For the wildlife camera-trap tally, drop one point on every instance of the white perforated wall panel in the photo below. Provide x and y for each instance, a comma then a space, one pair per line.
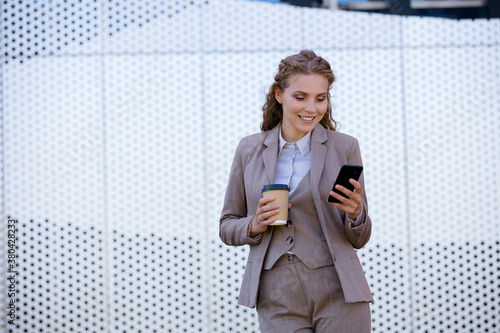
119, 124
152, 27
453, 178
55, 189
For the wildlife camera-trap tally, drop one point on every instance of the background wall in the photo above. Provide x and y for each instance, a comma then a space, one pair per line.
119, 124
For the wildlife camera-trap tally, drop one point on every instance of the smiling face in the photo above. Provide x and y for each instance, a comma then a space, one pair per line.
304, 103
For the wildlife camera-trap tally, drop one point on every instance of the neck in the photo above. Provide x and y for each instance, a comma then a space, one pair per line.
291, 137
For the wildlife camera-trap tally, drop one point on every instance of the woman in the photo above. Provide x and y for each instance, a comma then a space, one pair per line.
305, 276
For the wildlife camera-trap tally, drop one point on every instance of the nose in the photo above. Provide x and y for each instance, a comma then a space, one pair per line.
310, 107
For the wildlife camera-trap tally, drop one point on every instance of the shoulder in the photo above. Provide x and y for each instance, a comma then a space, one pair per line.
250, 147
252, 140
250, 144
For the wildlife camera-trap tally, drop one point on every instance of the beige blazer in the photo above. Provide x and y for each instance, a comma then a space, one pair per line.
254, 166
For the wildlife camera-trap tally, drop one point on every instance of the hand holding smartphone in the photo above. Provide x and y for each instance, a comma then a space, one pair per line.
346, 172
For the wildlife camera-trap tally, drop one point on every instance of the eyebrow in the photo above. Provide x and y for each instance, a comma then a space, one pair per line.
304, 93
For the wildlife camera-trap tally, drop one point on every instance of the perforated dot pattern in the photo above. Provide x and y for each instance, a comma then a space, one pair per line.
42, 28
120, 121
457, 281
62, 286
170, 26
158, 284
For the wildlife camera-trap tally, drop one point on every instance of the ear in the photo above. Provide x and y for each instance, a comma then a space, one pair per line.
278, 95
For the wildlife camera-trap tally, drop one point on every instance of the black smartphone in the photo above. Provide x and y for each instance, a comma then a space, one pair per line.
346, 172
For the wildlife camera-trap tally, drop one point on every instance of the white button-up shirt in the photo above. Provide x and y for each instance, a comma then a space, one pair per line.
294, 161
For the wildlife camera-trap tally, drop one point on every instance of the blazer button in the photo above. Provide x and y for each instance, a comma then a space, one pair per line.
289, 240
358, 233
288, 223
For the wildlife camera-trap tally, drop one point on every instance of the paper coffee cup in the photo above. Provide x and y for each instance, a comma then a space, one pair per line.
280, 193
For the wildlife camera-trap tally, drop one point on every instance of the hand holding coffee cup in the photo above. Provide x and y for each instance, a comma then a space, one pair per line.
272, 208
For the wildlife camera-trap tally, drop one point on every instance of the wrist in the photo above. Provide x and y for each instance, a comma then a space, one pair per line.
354, 217
251, 232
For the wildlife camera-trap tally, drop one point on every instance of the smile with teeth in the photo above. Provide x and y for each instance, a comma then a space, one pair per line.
306, 118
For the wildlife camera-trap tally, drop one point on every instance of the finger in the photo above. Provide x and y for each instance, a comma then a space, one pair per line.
266, 200
353, 200
352, 203
265, 212
344, 190
355, 196
269, 207
269, 221
348, 205
270, 213
357, 186
289, 205
339, 197
261, 220
339, 205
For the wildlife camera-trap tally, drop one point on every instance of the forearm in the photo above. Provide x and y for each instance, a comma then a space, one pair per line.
358, 232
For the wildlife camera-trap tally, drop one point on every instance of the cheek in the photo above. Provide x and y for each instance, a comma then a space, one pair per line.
292, 109
323, 109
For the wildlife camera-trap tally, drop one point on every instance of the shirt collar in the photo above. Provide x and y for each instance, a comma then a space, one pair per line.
303, 144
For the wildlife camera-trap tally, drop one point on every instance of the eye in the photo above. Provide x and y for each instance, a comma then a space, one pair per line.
320, 99
299, 98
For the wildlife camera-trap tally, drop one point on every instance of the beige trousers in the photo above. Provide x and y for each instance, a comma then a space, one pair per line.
294, 298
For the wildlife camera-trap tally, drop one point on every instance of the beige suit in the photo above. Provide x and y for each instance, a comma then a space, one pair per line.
254, 166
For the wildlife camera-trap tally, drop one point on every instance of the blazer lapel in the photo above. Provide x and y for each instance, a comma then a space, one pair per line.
270, 154
318, 155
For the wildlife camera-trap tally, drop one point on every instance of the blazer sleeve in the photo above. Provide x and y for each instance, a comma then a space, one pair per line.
235, 222
358, 232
